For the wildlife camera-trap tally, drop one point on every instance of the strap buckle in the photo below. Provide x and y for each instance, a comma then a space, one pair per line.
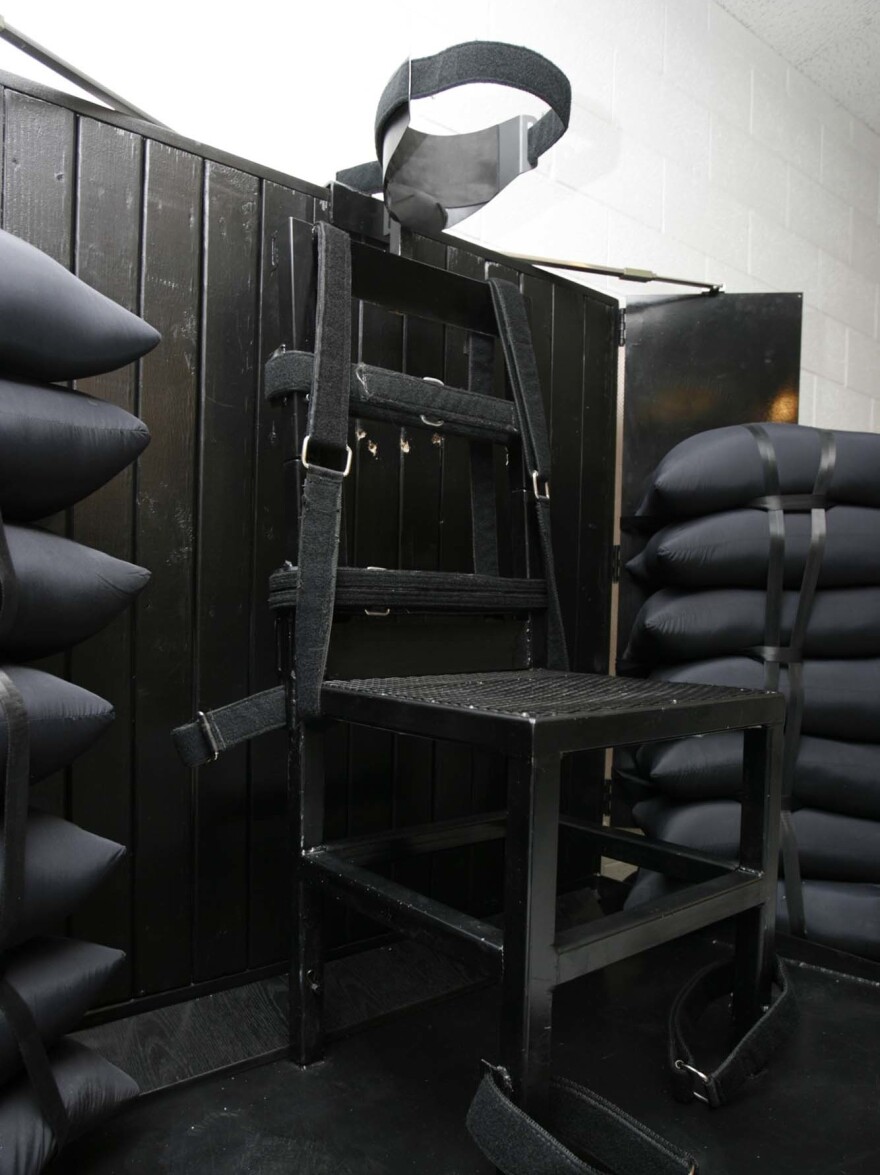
679, 1064
545, 497
306, 464
208, 732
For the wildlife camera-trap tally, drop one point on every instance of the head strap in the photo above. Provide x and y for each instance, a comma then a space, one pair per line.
433, 181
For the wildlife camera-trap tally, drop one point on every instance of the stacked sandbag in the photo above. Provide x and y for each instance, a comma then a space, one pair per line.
56, 447
763, 564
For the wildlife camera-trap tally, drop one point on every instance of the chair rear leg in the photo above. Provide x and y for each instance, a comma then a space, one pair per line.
759, 850
306, 1018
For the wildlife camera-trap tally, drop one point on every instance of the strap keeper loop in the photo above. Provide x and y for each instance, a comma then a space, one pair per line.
208, 733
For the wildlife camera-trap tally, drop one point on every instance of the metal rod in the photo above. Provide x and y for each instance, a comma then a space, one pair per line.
625, 274
45, 57
673, 860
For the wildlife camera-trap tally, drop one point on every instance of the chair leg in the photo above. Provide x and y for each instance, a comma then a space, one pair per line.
306, 980
759, 850
530, 929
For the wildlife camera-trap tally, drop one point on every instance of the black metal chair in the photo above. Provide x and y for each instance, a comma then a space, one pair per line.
535, 713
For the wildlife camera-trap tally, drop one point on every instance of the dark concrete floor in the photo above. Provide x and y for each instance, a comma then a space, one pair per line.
393, 1099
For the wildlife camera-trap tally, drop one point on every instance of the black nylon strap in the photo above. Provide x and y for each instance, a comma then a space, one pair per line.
13, 818
460, 65
378, 394
776, 504
322, 492
359, 588
752, 1053
36, 1062
581, 1122
516, 338
484, 512
8, 587
217, 730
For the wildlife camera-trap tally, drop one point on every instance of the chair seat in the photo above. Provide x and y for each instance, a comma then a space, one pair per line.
520, 711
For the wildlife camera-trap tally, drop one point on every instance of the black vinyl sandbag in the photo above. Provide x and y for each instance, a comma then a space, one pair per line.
55, 327
91, 1089
676, 625
63, 865
63, 719
840, 914
721, 469
841, 698
830, 846
66, 592
830, 774
57, 447
59, 979
732, 549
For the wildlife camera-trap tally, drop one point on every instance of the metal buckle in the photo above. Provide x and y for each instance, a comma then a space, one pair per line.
696, 1072
307, 465
377, 611
545, 497
432, 423
207, 731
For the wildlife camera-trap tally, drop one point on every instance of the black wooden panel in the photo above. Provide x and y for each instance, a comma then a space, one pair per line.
39, 179
225, 542
108, 202
268, 898
164, 540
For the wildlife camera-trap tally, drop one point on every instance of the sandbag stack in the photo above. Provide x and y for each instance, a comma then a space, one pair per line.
764, 567
56, 447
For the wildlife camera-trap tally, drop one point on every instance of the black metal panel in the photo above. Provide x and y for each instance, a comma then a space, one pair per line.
696, 362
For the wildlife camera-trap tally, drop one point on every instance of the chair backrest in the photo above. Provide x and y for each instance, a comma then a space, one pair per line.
445, 518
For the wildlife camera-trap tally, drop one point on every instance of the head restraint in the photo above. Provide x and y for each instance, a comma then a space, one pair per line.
433, 181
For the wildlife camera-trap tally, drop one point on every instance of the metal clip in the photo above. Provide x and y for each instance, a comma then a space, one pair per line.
432, 423
696, 1072
377, 611
499, 1073
306, 465
207, 730
545, 497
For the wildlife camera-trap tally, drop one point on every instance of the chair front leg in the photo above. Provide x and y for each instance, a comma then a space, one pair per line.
530, 929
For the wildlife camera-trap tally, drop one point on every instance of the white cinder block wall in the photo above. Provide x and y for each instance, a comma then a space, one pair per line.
696, 150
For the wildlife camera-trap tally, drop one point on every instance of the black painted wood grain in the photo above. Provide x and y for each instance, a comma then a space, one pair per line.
228, 386
107, 236
164, 542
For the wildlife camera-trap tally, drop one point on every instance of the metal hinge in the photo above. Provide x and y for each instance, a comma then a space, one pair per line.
621, 327
615, 564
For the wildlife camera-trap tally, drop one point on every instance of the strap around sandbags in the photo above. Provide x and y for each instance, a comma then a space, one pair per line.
36, 1062
13, 817
749, 1058
8, 587
581, 1123
433, 181
516, 338
378, 394
773, 653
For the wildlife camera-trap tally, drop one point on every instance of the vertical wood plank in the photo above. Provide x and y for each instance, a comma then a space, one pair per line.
39, 177
225, 539
110, 175
269, 848
164, 542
